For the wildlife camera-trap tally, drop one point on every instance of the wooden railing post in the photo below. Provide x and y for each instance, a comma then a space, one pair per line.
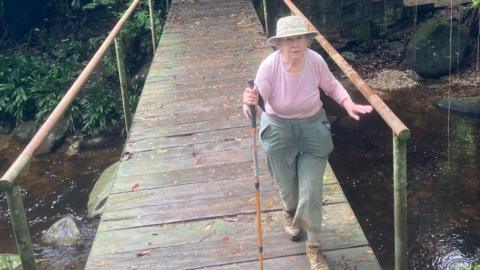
265, 17
152, 25
400, 202
123, 81
20, 228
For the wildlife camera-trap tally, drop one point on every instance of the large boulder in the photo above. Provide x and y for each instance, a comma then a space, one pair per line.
100, 192
64, 232
428, 52
468, 105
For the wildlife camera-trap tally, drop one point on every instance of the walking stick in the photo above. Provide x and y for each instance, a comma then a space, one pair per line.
253, 119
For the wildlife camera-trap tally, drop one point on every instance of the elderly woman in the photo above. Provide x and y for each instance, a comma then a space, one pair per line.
294, 129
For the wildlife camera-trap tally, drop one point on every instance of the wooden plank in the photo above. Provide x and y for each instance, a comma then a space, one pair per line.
189, 158
213, 199
233, 239
437, 3
152, 142
149, 180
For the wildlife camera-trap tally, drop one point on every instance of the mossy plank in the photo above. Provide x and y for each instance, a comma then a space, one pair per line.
155, 143
192, 202
232, 238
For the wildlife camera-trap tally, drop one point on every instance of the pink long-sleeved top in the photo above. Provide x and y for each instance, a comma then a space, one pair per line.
296, 95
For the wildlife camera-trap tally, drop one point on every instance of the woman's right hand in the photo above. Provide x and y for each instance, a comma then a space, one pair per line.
250, 97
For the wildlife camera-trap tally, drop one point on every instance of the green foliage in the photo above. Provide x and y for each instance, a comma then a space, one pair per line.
16, 76
470, 267
475, 3
101, 3
101, 109
2, 8
32, 83
32, 86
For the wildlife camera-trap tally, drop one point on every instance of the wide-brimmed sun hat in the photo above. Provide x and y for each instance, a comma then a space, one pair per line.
290, 26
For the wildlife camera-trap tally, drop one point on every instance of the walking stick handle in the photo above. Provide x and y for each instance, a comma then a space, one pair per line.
253, 108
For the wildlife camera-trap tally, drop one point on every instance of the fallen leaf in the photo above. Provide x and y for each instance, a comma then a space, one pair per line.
237, 250
143, 252
99, 263
225, 239
231, 219
136, 186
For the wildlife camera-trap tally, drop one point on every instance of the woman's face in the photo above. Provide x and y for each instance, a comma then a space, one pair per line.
293, 47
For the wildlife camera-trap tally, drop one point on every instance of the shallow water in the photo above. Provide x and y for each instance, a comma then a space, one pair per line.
443, 191
443, 182
53, 186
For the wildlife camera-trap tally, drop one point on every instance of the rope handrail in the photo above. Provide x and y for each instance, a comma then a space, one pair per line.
397, 126
8, 179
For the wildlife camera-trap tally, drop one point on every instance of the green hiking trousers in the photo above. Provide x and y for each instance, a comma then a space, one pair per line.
297, 153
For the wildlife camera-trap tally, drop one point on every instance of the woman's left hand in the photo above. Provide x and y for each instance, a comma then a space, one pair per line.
355, 110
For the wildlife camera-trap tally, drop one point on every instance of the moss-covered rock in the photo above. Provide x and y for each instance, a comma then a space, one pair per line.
64, 232
428, 52
100, 192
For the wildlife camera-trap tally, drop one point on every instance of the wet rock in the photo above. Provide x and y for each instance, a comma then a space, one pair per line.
100, 192
73, 149
25, 132
64, 232
413, 75
428, 52
96, 142
469, 105
5, 127
74, 144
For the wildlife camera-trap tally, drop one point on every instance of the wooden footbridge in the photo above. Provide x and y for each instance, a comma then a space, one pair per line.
183, 196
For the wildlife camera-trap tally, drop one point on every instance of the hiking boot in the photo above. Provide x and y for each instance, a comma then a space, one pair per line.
315, 257
294, 233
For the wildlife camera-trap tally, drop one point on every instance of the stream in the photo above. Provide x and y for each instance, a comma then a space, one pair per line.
443, 181
54, 186
443, 186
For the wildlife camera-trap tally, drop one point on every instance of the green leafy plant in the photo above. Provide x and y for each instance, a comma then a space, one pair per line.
16, 75
49, 89
101, 109
470, 267
32, 83
101, 3
475, 3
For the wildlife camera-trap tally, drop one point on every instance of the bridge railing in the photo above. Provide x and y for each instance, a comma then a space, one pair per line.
8, 180
400, 136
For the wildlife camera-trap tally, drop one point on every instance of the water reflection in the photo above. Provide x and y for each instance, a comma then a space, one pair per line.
54, 186
443, 183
